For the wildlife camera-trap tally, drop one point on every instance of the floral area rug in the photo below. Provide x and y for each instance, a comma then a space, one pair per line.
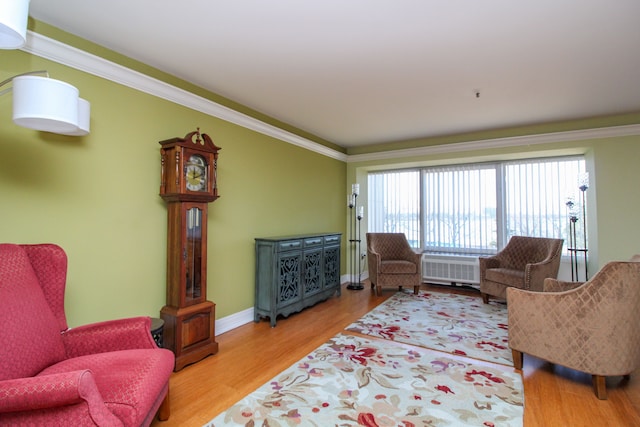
456, 324
354, 381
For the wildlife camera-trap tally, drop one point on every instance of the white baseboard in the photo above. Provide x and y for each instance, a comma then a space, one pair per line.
246, 316
346, 278
234, 320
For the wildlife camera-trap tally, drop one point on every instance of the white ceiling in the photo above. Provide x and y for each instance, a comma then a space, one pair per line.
359, 72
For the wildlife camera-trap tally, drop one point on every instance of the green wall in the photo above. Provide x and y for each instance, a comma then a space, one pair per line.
97, 196
617, 176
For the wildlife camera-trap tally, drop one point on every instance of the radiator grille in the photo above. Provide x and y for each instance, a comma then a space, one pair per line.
450, 268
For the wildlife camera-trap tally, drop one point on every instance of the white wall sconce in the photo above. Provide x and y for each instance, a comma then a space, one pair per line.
49, 105
13, 23
39, 102
84, 119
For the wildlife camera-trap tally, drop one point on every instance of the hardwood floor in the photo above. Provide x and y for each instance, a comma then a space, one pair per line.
254, 353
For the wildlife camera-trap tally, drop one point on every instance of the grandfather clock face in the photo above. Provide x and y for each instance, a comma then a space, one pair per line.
196, 173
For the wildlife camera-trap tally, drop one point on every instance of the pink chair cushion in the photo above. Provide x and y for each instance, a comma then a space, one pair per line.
124, 380
29, 336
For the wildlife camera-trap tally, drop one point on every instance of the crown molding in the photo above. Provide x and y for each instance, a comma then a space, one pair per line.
64, 54
514, 141
53, 50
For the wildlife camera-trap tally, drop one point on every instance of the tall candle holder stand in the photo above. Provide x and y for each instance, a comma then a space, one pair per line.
572, 246
583, 185
355, 217
574, 250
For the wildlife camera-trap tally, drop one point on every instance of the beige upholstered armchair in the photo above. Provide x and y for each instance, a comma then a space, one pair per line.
392, 262
523, 263
590, 327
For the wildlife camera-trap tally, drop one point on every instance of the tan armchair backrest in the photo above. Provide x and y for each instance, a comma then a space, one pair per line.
523, 250
390, 246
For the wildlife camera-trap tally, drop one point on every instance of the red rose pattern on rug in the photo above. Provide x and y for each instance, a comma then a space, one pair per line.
456, 324
353, 381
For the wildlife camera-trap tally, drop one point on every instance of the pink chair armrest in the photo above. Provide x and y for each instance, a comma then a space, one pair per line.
25, 399
113, 335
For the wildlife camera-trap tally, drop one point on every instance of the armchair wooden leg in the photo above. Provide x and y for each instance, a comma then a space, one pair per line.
378, 290
518, 359
165, 408
416, 289
600, 386
485, 298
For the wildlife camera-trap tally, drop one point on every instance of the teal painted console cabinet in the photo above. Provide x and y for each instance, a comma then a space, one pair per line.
295, 272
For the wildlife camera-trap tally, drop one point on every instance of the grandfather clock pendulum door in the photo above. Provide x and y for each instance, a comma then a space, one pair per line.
188, 185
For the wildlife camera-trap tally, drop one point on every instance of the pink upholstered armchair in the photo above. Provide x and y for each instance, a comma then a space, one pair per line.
104, 374
523, 263
590, 327
392, 262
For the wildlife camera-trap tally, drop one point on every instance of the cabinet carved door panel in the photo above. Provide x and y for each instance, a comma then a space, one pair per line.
312, 271
332, 266
289, 289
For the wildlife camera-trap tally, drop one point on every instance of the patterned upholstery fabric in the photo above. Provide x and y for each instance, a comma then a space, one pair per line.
30, 339
392, 262
105, 374
590, 327
50, 264
523, 263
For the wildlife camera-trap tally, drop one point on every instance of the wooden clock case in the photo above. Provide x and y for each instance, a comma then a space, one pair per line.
189, 318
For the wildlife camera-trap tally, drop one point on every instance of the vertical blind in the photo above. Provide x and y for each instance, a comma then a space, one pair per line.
536, 195
474, 208
394, 203
460, 208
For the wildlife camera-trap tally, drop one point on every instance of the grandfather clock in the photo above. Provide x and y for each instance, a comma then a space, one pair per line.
188, 185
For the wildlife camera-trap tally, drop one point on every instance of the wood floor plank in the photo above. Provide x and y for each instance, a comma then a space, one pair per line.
252, 354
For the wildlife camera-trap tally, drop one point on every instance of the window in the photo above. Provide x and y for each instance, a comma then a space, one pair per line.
394, 202
460, 206
474, 208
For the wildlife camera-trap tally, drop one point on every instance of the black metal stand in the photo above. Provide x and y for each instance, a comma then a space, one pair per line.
574, 250
355, 282
583, 189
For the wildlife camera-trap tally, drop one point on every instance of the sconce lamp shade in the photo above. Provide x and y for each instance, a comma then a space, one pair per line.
84, 118
13, 23
45, 104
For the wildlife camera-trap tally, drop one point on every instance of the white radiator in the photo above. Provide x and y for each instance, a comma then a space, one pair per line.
450, 268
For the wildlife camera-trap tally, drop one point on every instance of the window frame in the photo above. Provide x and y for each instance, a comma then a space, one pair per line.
500, 167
